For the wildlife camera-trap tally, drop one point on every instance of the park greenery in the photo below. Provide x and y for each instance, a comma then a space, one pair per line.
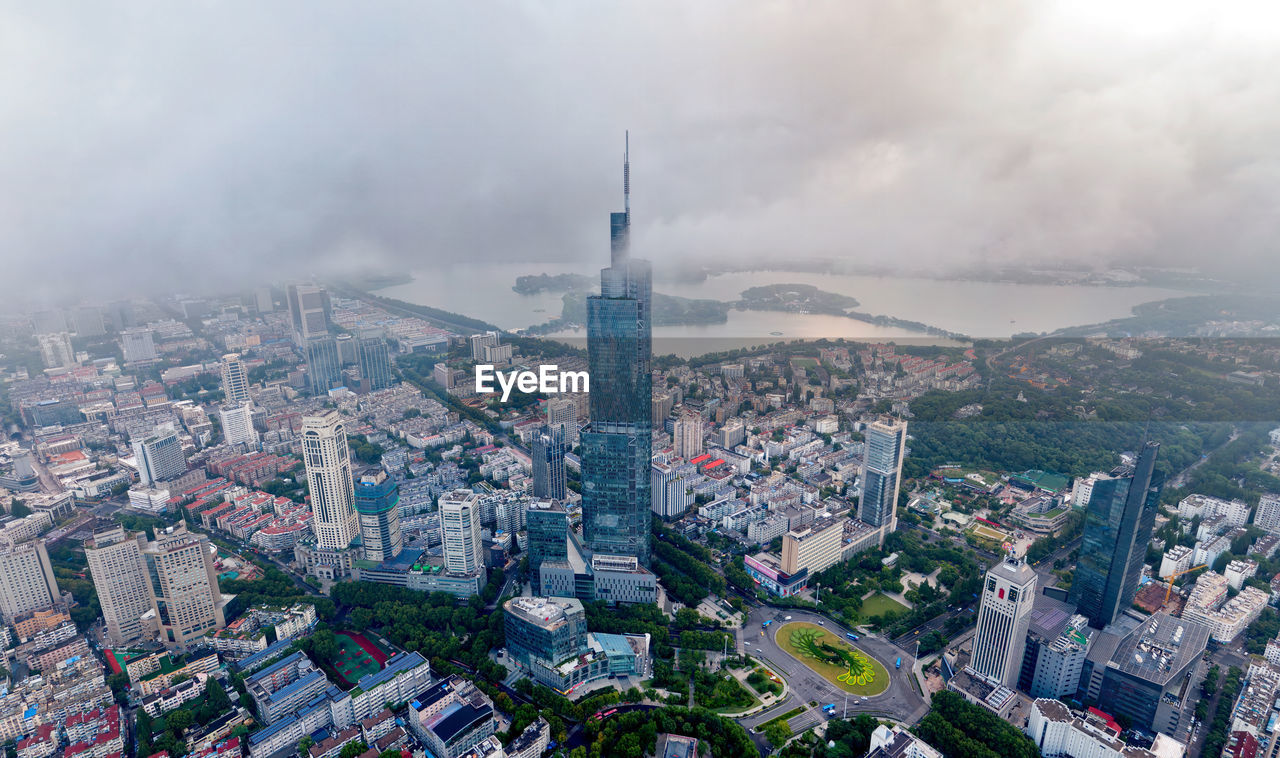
434, 624
1044, 432
809, 643
833, 659
634, 734
274, 588
761, 682
960, 729
166, 732
843, 739
684, 567
846, 584
1261, 631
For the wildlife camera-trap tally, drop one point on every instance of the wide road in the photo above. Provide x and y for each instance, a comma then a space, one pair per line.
901, 702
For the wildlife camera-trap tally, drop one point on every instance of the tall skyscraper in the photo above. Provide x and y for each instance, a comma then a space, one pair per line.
1118, 523
309, 311
616, 447
183, 585
115, 564
460, 523
88, 321
48, 322
375, 363
56, 350
886, 442
547, 526
159, 456
378, 510
235, 380
26, 579
324, 366
1004, 616
138, 345
548, 463
237, 425
328, 462
687, 435
563, 412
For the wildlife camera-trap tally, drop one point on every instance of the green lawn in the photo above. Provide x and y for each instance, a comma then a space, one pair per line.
880, 604
870, 677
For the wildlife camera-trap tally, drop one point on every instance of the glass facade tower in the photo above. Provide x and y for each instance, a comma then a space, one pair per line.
616, 448
548, 463
886, 441
378, 511
1121, 516
547, 525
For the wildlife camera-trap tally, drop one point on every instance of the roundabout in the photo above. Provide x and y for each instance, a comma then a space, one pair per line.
838, 661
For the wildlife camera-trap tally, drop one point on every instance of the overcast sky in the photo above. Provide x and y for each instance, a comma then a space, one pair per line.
212, 144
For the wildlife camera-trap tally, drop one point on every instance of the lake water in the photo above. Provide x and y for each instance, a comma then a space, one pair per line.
978, 309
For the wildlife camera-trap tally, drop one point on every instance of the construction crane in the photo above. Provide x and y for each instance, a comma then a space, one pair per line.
1171, 577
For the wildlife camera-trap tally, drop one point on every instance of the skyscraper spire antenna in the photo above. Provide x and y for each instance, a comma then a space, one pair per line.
626, 177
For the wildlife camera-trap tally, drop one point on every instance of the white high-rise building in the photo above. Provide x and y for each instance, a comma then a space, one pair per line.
328, 462
159, 456
26, 579
235, 380
237, 425
183, 585
1003, 618
138, 345
480, 341
115, 564
460, 523
56, 350
1268, 514
687, 435
562, 411
309, 309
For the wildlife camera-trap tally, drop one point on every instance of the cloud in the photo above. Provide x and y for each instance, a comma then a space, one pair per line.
154, 146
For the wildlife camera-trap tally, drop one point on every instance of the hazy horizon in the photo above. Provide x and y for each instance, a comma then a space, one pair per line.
218, 146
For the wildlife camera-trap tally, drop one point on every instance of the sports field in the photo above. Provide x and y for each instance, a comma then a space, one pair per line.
357, 657
836, 660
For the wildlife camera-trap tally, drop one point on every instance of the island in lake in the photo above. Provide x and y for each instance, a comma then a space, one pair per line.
806, 298
670, 310
796, 298
535, 283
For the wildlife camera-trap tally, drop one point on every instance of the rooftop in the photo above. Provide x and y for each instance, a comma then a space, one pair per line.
1160, 648
549, 613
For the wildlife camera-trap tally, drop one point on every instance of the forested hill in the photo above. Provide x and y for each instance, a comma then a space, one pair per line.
1044, 432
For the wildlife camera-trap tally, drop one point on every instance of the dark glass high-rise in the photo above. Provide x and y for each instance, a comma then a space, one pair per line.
548, 449
1119, 521
616, 447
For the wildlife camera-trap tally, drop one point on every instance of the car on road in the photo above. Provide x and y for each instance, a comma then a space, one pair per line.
821, 622
864, 697
788, 618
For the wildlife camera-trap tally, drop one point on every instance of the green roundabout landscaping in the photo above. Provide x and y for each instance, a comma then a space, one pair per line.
836, 660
